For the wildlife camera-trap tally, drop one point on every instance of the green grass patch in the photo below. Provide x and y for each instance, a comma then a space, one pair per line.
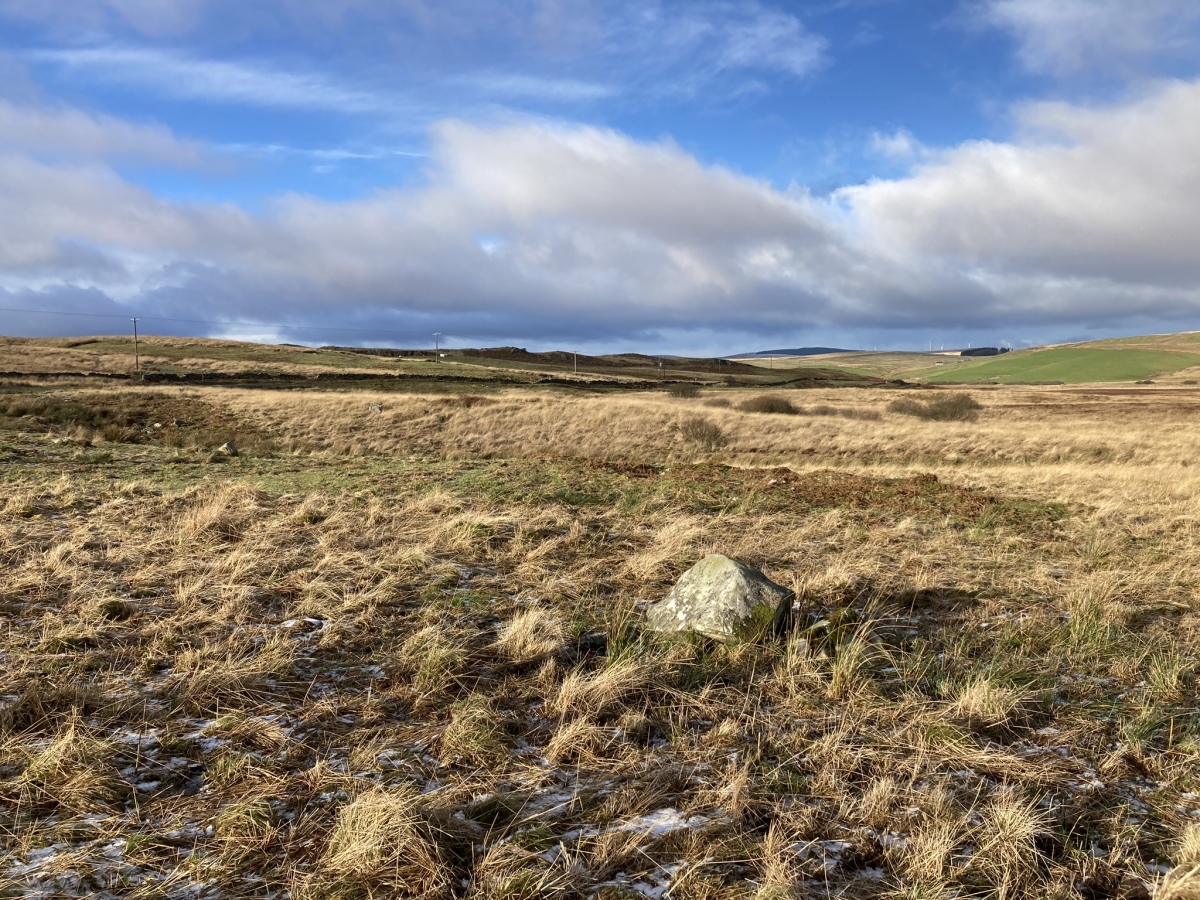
1073, 365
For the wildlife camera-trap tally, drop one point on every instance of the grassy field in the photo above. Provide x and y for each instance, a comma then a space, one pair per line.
395, 647
1126, 359
1071, 365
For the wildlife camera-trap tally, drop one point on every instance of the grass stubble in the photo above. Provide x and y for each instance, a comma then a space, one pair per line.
396, 649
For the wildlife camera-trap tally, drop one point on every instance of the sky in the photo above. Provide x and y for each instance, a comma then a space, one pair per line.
702, 177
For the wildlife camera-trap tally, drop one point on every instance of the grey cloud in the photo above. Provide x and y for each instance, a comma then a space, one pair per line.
87, 311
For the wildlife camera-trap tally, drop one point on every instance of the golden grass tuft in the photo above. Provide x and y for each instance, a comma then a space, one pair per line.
432, 658
217, 678
602, 692
69, 773
1006, 844
531, 636
382, 844
981, 703
475, 734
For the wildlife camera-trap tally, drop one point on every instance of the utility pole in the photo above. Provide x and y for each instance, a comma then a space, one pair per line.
576, 355
137, 360
437, 352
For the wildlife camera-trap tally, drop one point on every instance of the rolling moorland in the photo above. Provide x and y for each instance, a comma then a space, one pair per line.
395, 646
168, 360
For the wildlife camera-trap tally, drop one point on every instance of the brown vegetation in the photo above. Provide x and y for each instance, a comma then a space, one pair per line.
400, 653
939, 407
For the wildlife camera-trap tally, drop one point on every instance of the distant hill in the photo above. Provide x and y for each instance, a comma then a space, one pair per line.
796, 351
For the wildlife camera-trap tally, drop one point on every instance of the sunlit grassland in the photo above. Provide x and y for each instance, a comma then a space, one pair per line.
1126, 359
395, 647
1071, 365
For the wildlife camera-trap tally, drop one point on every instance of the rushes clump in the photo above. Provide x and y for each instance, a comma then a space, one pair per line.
704, 433
941, 408
767, 403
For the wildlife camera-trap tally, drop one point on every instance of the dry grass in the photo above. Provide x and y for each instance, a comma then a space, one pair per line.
403, 654
383, 844
530, 636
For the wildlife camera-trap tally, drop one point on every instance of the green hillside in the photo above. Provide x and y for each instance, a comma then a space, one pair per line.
1074, 365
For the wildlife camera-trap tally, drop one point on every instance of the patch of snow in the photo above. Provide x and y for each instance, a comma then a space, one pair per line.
829, 852
663, 821
654, 885
893, 841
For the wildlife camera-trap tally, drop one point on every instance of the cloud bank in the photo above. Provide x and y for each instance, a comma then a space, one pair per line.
585, 234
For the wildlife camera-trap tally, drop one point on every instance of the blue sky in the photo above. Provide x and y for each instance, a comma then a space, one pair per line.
676, 177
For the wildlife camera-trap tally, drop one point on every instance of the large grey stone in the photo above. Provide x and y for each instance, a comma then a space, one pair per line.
720, 597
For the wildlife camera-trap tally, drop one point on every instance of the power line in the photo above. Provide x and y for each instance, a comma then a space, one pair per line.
51, 312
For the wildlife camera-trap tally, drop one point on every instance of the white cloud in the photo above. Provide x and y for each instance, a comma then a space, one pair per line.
1087, 193
66, 133
154, 18
53, 212
523, 87
771, 40
591, 230
527, 51
1066, 36
899, 145
179, 75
